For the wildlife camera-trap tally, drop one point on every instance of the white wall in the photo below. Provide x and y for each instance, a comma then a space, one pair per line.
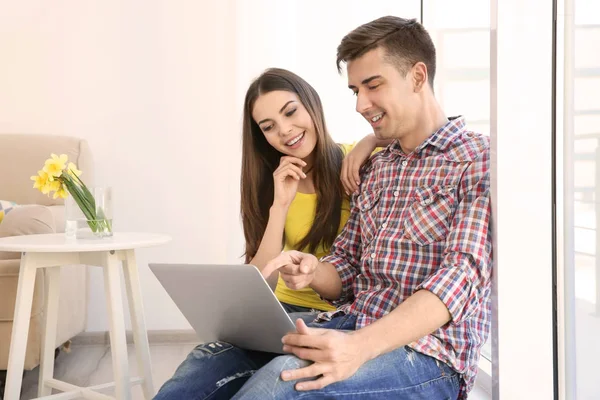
156, 87
148, 84
303, 36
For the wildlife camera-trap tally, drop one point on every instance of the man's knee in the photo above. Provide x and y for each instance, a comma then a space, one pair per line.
283, 363
267, 380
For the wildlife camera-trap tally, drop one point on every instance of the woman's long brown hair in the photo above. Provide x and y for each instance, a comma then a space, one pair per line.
260, 159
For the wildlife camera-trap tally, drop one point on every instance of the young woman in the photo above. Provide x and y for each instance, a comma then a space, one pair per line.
292, 198
295, 180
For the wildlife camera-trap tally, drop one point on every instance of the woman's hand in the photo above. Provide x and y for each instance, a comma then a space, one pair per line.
286, 178
354, 160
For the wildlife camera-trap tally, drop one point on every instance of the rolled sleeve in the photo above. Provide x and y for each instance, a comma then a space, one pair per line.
456, 290
465, 275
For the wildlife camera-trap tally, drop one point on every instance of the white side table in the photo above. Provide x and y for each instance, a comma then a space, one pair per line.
51, 251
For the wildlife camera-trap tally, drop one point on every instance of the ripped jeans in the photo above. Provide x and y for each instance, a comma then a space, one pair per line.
218, 370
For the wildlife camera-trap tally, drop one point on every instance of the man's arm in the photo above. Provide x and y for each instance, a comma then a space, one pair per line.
418, 316
451, 295
456, 290
327, 282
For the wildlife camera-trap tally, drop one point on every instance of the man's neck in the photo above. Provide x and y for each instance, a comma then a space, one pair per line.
433, 118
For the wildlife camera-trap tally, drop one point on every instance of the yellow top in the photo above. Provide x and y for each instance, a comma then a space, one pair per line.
298, 221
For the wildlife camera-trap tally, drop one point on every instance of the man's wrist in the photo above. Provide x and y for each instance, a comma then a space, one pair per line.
319, 278
363, 341
327, 281
315, 281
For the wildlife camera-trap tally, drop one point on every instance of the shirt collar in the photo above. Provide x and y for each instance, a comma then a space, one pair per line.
440, 139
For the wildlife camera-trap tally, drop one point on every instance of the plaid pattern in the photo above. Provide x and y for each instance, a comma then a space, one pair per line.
421, 221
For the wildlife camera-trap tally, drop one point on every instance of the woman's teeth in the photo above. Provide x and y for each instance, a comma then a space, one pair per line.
295, 140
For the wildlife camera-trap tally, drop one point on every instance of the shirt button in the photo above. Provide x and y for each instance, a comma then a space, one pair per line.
396, 193
384, 225
372, 255
404, 163
427, 201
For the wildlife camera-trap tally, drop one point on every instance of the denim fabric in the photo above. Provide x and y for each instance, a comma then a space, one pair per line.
292, 308
295, 312
214, 370
218, 370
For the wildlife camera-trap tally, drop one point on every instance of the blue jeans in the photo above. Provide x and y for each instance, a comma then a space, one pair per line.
292, 308
218, 370
308, 315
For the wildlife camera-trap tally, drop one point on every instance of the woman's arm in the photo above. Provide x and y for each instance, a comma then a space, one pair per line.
285, 180
356, 158
271, 243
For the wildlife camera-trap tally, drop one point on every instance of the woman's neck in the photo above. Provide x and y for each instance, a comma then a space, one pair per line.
310, 161
307, 184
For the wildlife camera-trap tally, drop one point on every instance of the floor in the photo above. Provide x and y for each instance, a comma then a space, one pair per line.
91, 365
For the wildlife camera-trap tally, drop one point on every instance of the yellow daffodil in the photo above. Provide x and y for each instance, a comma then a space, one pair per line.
61, 178
51, 186
61, 192
54, 166
55, 185
72, 169
40, 180
46, 188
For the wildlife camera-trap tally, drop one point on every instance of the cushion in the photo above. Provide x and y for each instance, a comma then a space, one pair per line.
26, 220
5, 207
24, 154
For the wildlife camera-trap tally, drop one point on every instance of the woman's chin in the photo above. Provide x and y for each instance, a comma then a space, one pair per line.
301, 152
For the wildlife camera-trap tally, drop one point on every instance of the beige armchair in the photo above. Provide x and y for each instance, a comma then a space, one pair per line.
21, 156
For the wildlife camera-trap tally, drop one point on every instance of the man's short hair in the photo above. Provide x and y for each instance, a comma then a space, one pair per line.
405, 42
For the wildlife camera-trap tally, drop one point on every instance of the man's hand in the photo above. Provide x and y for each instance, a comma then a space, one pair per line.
295, 268
336, 356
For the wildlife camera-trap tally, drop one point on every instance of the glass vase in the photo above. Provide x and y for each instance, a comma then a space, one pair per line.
78, 226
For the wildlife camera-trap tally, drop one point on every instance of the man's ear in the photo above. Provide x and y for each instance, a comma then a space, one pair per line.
419, 75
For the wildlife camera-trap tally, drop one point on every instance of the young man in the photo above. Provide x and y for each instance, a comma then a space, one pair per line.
410, 273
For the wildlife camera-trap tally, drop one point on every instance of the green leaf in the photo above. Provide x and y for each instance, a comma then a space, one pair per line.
96, 219
84, 187
86, 205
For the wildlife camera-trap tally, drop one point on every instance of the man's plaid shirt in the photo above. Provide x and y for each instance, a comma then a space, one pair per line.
422, 221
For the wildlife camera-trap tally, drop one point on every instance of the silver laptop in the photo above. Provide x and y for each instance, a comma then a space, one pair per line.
232, 303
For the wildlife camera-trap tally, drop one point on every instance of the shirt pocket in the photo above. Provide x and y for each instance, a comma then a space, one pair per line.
368, 204
428, 218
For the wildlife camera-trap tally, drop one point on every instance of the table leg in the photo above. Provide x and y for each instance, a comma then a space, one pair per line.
52, 280
138, 323
118, 344
20, 329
